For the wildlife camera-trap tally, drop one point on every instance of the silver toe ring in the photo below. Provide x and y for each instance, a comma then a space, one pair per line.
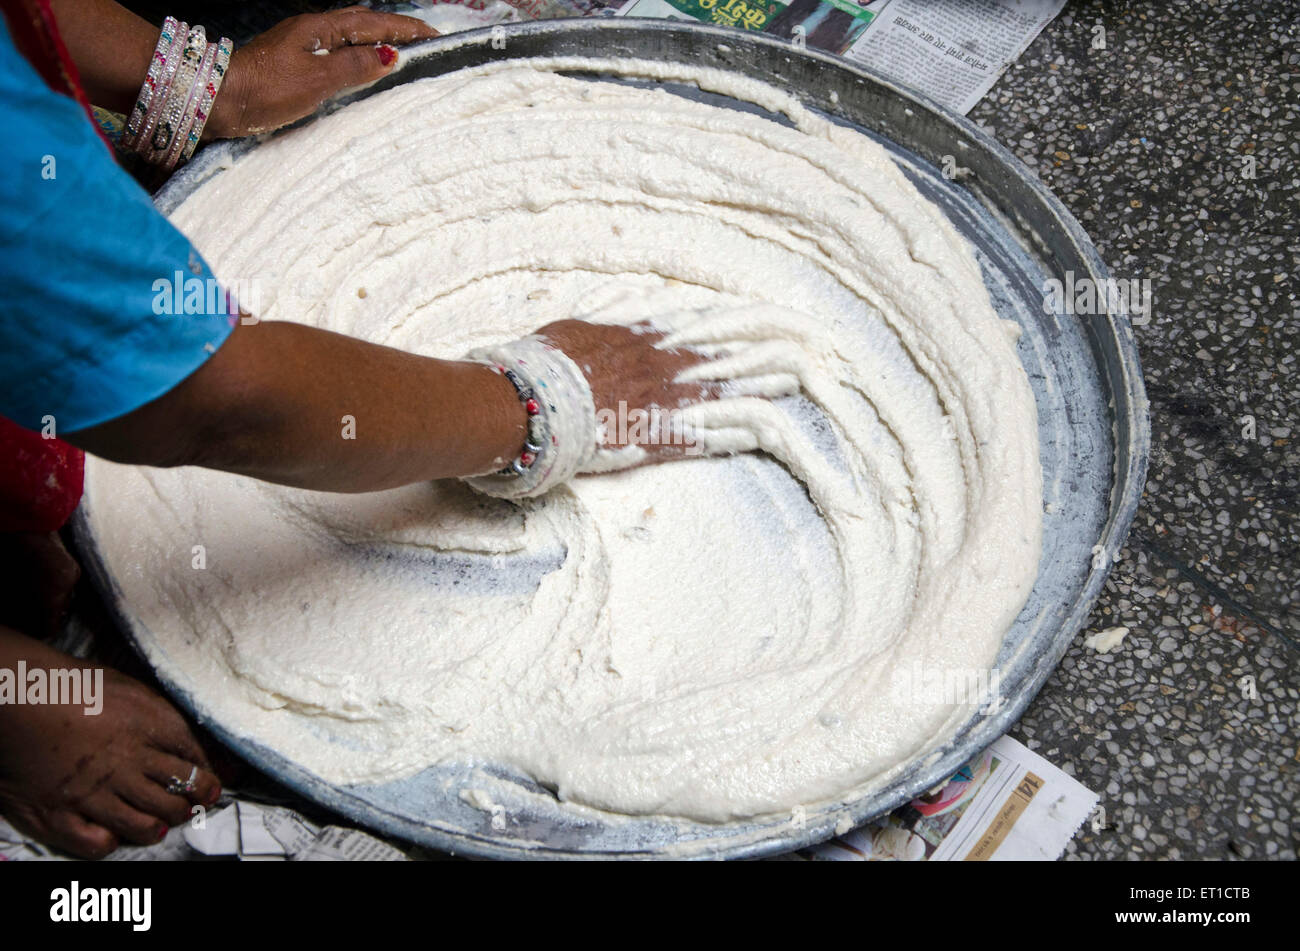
176, 785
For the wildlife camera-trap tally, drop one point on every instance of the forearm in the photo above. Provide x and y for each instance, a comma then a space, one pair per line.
305, 407
274, 79
110, 46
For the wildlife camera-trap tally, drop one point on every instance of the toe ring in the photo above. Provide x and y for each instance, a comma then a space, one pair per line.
176, 785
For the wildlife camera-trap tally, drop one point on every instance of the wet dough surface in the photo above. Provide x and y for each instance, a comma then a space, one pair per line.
715, 638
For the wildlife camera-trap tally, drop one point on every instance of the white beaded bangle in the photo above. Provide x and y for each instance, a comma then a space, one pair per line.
177, 96
190, 110
156, 147
158, 95
563, 428
135, 121
210, 86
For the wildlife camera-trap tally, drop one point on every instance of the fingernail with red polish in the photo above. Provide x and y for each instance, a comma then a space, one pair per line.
387, 54
212, 800
162, 831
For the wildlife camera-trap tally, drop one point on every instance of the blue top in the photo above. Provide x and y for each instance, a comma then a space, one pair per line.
105, 305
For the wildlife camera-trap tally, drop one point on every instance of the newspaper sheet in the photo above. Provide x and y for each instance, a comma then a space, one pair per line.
235, 828
1008, 803
951, 50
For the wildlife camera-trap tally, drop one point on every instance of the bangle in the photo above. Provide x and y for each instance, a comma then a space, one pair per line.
210, 86
176, 98
156, 147
162, 50
187, 112
562, 434
538, 437
162, 93
157, 84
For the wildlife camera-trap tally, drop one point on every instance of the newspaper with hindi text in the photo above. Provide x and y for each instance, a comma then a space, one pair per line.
950, 50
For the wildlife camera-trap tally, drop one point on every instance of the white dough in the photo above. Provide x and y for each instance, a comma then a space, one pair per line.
712, 638
1103, 642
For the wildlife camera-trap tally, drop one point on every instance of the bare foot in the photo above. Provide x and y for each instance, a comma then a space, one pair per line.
83, 783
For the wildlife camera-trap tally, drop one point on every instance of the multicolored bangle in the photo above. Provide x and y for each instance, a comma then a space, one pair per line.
562, 434
210, 86
178, 93
536, 441
135, 121
167, 62
156, 147
190, 109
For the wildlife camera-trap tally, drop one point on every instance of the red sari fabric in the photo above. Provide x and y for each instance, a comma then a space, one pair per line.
40, 480
40, 477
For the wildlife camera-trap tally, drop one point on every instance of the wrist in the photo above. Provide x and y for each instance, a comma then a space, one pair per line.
561, 418
231, 104
505, 418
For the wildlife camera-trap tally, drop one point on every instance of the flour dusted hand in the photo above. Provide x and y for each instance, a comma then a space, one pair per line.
634, 383
286, 72
597, 396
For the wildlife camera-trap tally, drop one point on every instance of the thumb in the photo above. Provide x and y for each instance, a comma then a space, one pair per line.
357, 65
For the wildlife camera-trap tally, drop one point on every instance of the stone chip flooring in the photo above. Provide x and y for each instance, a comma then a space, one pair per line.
1190, 729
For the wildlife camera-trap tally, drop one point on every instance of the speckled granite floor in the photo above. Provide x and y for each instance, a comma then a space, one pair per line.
1150, 142
1190, 731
